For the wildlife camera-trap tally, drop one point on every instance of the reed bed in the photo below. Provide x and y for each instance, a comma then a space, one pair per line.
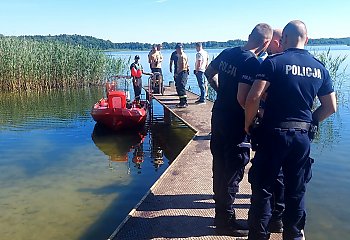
334, 64
31, 65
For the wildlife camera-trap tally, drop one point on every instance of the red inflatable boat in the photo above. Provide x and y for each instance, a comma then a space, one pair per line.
116, 114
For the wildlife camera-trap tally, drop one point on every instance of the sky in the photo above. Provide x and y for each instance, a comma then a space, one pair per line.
156, 21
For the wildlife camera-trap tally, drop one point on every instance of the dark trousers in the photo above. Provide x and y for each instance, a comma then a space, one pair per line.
137, 84
289, 150
229, 162
180, 83
277, 198
201, 84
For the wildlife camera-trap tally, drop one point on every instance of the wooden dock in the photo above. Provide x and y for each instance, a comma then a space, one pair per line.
180, 204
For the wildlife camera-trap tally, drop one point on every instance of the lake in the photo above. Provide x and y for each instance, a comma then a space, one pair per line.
63, 177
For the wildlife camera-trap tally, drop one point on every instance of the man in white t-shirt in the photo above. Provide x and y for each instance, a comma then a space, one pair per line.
202, 60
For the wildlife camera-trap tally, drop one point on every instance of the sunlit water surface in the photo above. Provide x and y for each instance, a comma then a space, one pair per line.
62, 177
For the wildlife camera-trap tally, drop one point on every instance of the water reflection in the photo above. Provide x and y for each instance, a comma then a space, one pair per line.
116, 145
119, 145
138, 156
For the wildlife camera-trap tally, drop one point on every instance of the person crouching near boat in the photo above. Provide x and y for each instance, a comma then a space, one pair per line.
136, 70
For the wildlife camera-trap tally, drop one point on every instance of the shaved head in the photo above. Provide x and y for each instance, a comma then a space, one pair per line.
275, 44
277, 34
260, 38
294, 35
261, 33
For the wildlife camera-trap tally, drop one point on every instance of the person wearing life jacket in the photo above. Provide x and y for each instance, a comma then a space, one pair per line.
136, 71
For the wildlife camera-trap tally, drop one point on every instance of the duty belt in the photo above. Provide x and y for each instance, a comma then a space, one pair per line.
295, 125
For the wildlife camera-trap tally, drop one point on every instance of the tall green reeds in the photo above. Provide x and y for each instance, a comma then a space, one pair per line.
334, 64
30, 65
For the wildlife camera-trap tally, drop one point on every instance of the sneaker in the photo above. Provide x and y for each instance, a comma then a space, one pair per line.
231, 231
231, 228
275, 226
235, 230
181, 105
199, 102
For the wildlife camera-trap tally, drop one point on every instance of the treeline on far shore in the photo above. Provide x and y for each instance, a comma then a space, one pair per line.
96, 43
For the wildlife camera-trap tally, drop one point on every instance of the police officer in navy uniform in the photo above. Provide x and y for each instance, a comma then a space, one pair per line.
293, 79
277, 199
231, 74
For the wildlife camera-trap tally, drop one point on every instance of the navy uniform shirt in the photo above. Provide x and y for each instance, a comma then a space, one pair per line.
234, 65
295, 77
174, 58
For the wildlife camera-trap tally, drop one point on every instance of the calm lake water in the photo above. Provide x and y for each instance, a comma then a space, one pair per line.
63, 177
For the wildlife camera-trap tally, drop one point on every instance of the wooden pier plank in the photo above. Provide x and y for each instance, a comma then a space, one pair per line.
180, 205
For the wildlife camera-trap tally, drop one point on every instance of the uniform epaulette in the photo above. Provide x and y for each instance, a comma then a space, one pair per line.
318, 60
274, 55
228, 49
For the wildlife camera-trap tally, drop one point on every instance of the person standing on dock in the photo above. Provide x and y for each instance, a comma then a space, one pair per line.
181, 76
202, 61
173, 61
155, 59
293, 79
231, 74
277, 199
136, 70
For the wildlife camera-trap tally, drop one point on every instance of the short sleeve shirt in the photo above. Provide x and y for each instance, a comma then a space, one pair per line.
203, 57
295, 78
234, 66
182, 63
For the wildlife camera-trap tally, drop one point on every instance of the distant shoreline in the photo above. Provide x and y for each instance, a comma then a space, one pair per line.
143, 50
106, 45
